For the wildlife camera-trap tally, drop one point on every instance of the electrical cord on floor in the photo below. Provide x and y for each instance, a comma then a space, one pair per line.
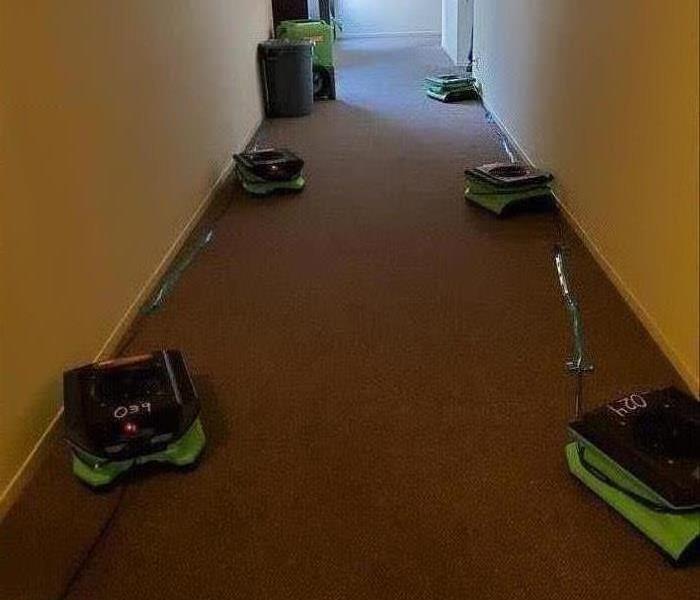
175, 273
559, 224
580, 448
502, 137
101, 535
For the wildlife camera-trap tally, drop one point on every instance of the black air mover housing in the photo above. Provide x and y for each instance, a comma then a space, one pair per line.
277, 164
654, 436
126, 408
508, 175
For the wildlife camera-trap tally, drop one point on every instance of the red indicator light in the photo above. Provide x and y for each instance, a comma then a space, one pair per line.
130, 428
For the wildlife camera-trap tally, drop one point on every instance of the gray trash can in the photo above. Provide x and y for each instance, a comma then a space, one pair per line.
288, 81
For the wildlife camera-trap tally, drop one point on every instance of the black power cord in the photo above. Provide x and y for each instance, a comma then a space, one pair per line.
101, 535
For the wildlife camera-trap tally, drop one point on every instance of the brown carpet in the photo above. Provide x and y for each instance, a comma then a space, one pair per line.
383, 384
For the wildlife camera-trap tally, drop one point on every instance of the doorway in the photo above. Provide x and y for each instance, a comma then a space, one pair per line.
457, 30
390, 18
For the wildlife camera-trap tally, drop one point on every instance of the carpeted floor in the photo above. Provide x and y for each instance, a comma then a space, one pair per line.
382, 375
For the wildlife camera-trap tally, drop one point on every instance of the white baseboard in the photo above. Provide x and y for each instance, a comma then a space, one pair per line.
649, 323
29, 466
31, 463
389, 34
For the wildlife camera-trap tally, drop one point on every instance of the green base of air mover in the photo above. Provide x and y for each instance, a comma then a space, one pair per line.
500, 203
676, 533
455, 95
97, 472
259, 187
265, 189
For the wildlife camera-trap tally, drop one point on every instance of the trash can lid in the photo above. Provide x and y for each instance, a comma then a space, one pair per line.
280, 45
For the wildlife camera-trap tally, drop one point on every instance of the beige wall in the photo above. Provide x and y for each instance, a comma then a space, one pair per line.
605, 94
116, 118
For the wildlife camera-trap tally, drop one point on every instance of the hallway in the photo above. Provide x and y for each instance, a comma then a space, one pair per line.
382, 381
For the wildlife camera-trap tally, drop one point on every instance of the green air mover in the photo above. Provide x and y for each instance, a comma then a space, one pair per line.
500, 187
264, 172
321, 34
451, 88
129, 412
639, 454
